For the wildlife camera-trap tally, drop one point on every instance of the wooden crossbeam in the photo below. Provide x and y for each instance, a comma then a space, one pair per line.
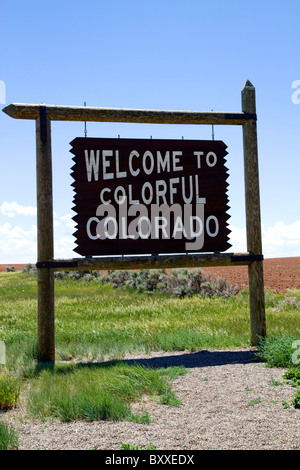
151, 262
85, 113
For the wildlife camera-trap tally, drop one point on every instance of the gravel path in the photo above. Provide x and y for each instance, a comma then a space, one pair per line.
228, 402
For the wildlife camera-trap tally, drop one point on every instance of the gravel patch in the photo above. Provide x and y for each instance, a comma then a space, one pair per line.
228, 403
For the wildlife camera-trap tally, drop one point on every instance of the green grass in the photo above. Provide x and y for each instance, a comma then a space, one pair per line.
93, 392
279, 350
9, 389
95, 322
9, 439
135, 447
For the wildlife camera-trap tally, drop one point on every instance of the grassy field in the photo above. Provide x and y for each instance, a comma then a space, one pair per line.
96, 322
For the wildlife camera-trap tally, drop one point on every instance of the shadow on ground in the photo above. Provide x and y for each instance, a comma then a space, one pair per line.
203, 358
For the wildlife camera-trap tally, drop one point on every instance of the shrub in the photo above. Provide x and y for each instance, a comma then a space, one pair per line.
33, 271
288, 303
118, 278
29, 269
277, 350
75, 275
59, 274
11, 269
9, 390
103, 279
88, 277
181, 282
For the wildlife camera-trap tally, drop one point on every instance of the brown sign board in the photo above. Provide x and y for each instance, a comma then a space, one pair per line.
149, 196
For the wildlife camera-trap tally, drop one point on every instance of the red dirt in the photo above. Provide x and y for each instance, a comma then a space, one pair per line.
18, 267
280, 274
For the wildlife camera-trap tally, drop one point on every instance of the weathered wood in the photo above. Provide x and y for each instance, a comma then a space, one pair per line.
46, 347
85, 113
253, 219
151, 262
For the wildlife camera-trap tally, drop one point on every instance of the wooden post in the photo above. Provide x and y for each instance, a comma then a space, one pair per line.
46, 345
253, 222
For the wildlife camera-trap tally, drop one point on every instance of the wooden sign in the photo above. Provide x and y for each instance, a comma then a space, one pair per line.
137, 196
190, 174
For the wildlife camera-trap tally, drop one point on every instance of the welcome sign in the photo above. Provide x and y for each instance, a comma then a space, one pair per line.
149, 196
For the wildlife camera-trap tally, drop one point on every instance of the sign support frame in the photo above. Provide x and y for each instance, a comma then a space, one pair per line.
44, 114
253, 218
45, 239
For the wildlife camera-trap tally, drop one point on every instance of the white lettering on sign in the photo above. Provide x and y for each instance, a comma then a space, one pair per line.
106, 164
92, 164
148, 162
173, 190
211, 158
134, 153
163, 163
163, 191
151, 224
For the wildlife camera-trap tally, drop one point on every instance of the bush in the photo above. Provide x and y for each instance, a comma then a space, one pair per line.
9, 390
84, 275
88, 277
288, 303
11, 269
75, 275
277, 351
29, 269
59, 274
181, 282
26, 269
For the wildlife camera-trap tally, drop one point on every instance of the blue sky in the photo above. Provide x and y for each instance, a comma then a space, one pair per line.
166, 54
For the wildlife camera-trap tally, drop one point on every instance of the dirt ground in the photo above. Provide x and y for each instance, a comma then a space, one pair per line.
280, 274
